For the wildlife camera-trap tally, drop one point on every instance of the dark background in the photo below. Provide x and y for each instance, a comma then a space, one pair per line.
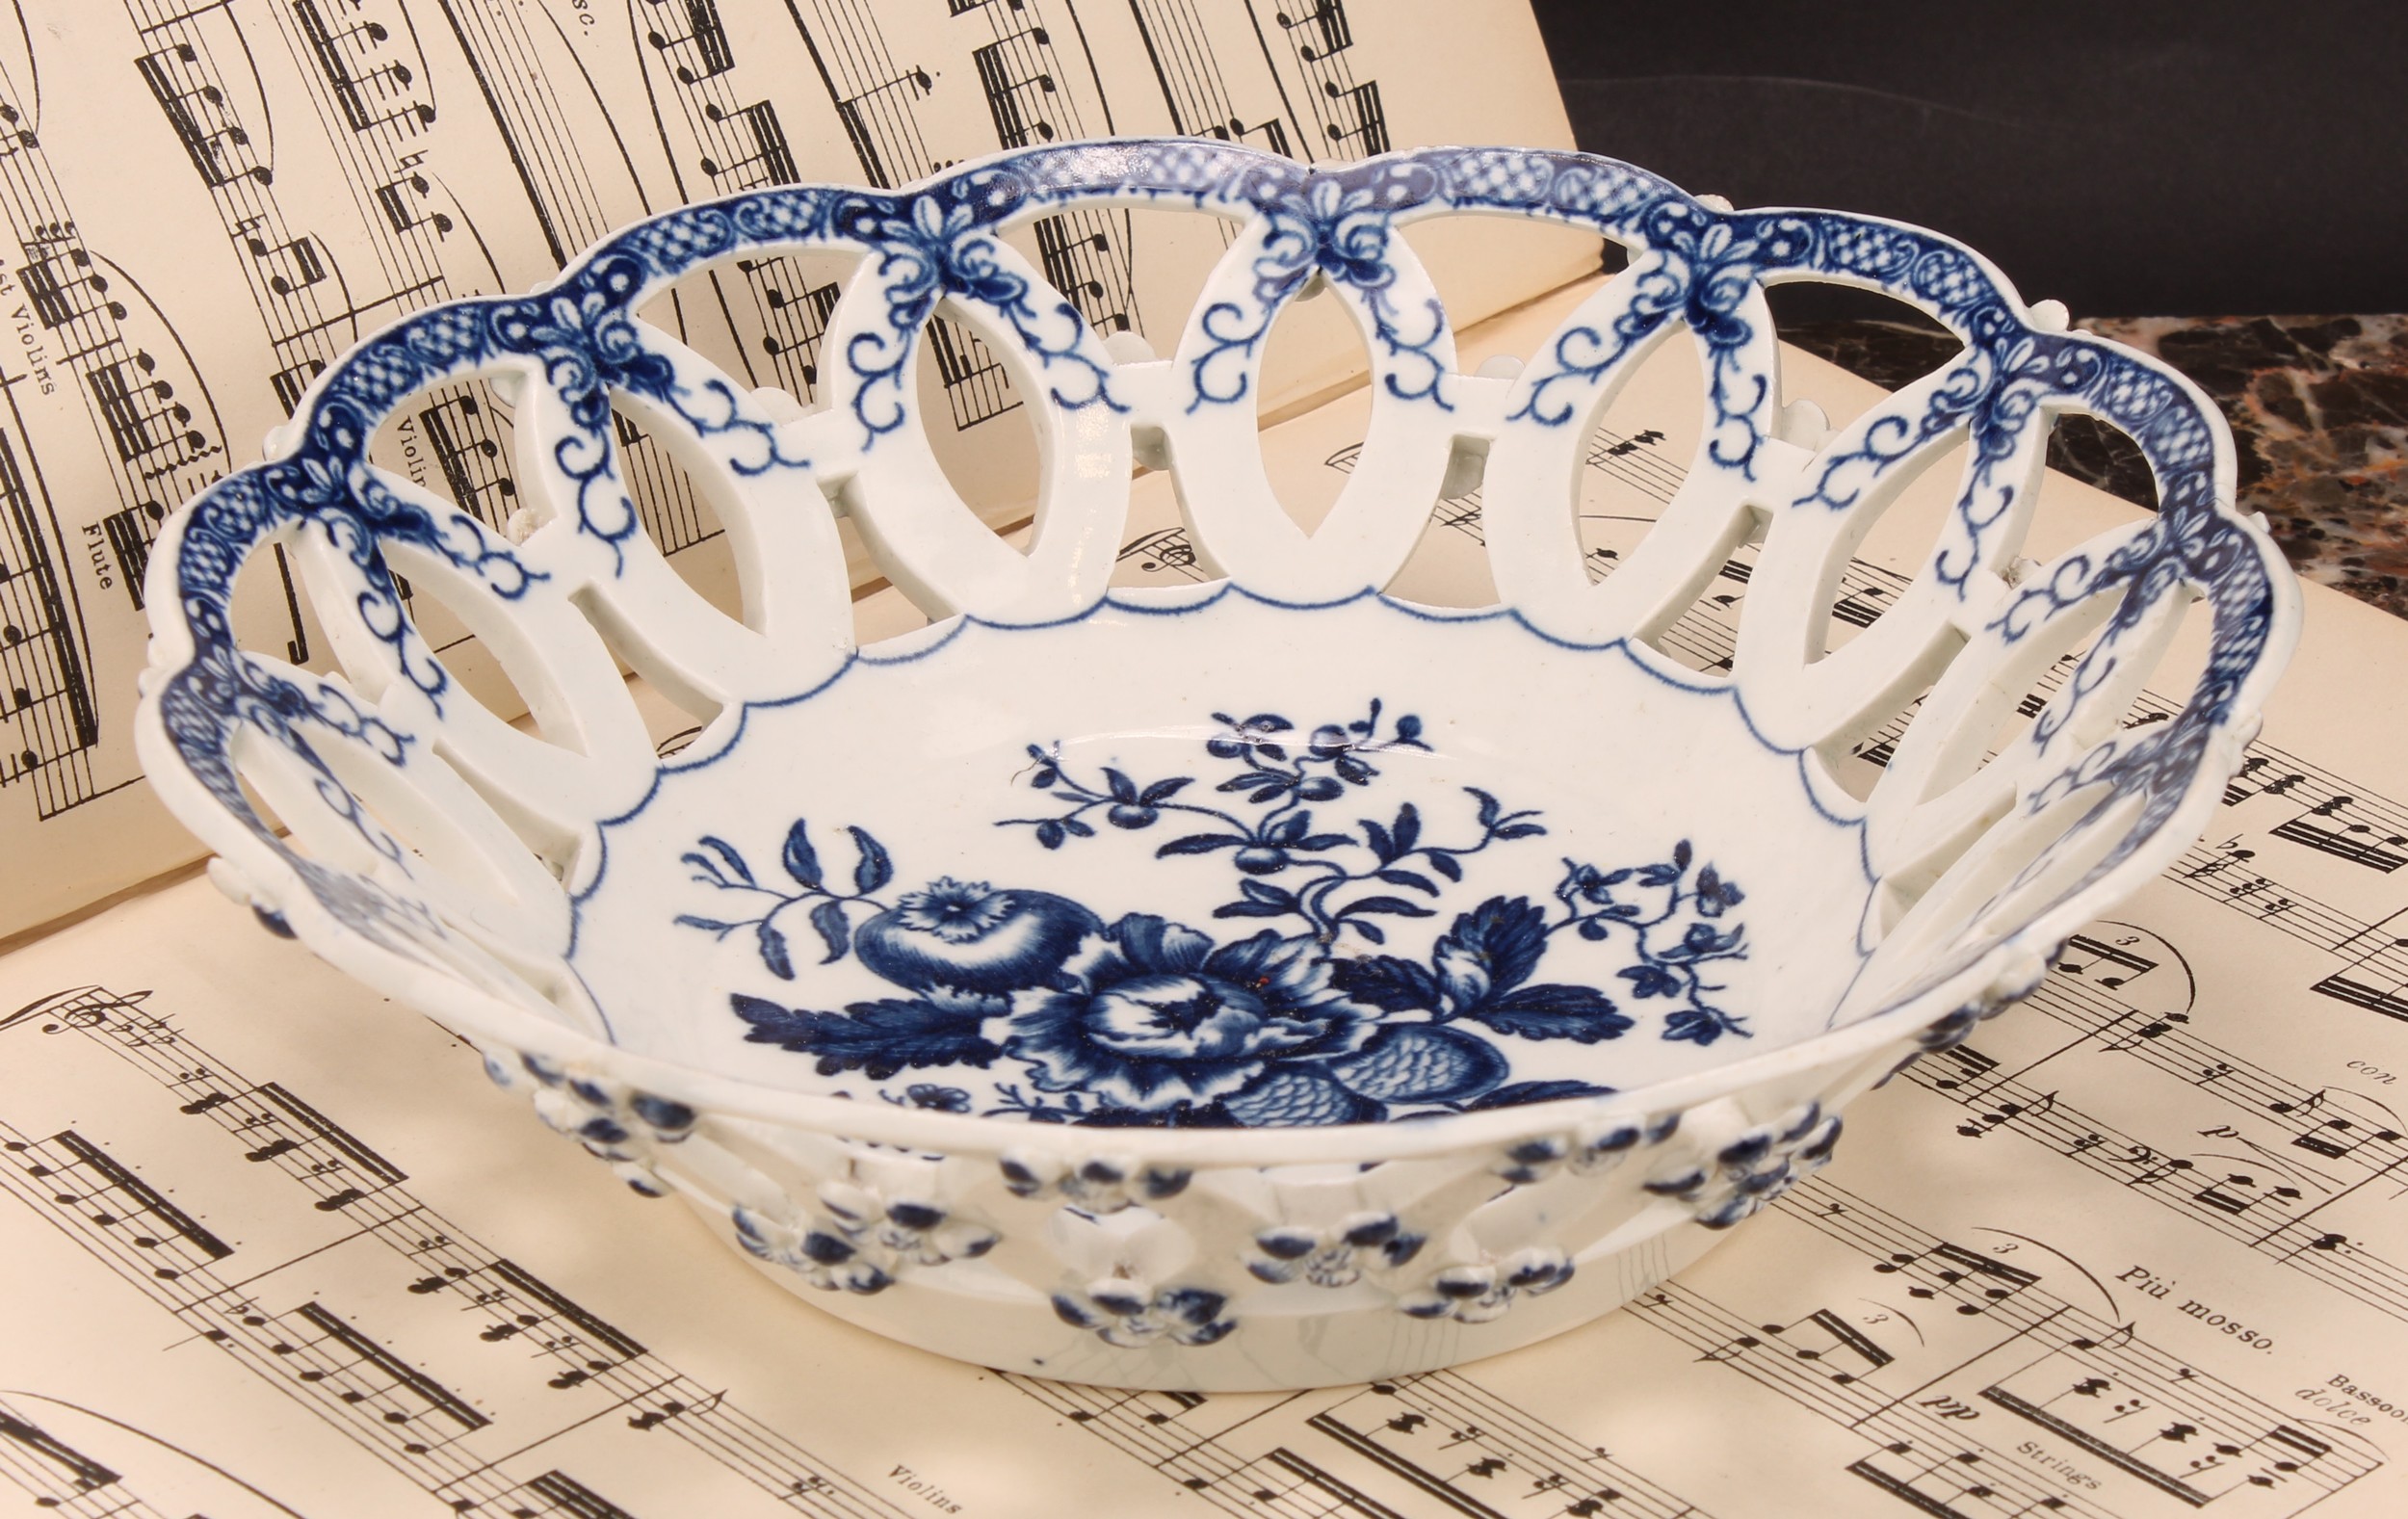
2128, 157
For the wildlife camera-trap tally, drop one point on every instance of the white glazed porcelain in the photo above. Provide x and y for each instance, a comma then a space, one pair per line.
1258, 983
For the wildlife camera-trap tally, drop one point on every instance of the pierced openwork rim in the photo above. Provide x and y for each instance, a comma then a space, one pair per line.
187, 719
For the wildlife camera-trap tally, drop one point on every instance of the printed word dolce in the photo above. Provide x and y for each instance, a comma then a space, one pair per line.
2347, 1399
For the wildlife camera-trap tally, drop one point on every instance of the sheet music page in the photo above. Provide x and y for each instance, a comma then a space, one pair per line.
2140, 1249
203, 202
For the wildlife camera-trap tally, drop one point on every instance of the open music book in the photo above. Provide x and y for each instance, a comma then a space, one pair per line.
268, 1246
206, 203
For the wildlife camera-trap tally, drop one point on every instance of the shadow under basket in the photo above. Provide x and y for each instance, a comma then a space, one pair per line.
1262, 982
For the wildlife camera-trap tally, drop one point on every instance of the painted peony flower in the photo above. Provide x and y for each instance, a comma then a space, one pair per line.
1149, 1014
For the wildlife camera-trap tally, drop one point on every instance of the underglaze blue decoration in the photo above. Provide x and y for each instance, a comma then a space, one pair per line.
1335, 1256
1421, 951
1481, 1291
1339, 227
1097, 1184
1746, 1174
859, 1244
612, 1121
1139, 1019
1594, 1151
1129, 1316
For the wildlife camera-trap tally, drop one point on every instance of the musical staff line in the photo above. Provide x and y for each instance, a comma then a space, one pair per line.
1087, 255
1320, 43
159, 437
1188, 70
325, 1355
1439, 1437
2025, 1349
61, 1478
578, 193
2272, 1181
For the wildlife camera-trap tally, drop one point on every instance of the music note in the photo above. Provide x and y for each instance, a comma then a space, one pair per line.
796, 314
2357, 842
19, 137
1971, 1065
467, 448
705, 34
1015, 75
1328, 18
1076, 250
2083, 957
61, 285
1371, 121
1166, 552
2226, 1195
770, 155
877, 137
2327, 1138
143, 415
1272, 132
336, 52
291, 381
292, 266
217, 144
377, 1375
398, 200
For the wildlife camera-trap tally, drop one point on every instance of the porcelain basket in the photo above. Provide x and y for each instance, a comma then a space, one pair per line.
1257, 983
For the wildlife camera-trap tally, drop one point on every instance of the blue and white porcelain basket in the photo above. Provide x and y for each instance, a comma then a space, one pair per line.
1253, 983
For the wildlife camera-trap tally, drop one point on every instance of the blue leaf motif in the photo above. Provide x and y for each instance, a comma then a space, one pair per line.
727, 851
1387, 982
1582, 1014
1490, 951
1394, 906
1652, 981
1249, 909
802, 860
1695, 1026
876, 869
876, 1038
771, 1023
1715, 895
773, 951
828, 918
1200, 844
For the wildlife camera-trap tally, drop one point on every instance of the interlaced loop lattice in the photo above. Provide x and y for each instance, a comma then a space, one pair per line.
1982, 858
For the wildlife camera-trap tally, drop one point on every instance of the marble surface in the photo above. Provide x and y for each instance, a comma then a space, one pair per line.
2318, 407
